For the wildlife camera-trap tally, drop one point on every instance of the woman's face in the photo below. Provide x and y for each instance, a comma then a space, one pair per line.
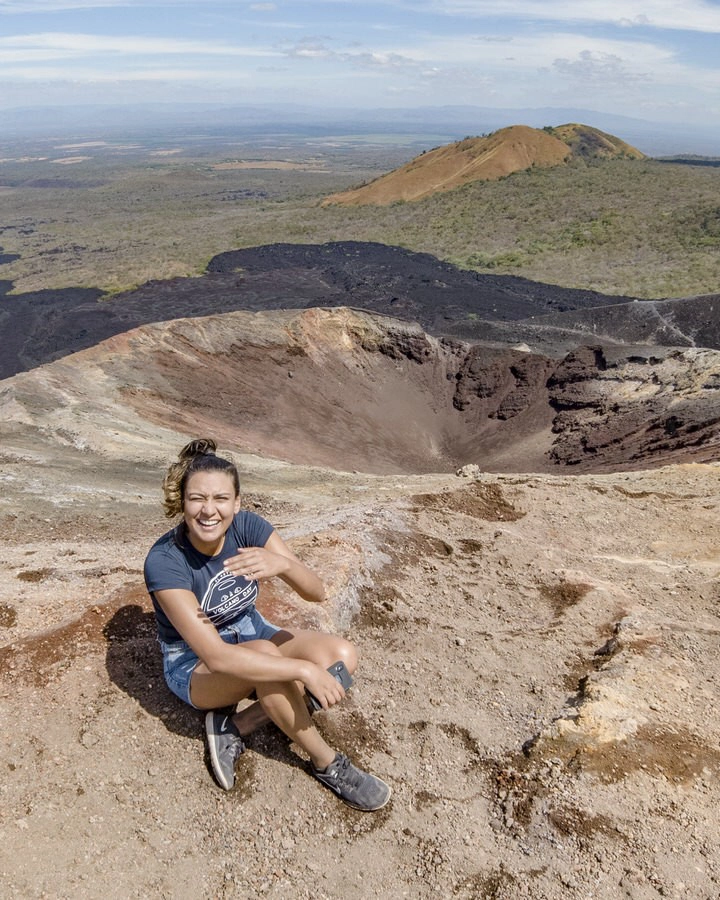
209, 504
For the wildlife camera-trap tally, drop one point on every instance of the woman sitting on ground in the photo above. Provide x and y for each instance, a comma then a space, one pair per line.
218, 649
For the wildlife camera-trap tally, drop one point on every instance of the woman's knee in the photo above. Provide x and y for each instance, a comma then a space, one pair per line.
347, 652
318, 647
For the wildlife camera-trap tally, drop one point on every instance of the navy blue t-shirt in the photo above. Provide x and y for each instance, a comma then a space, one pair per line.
173, 562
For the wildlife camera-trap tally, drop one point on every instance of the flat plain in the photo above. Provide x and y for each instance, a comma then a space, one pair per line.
113, 216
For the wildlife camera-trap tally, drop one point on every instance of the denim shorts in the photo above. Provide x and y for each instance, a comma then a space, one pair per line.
179, 659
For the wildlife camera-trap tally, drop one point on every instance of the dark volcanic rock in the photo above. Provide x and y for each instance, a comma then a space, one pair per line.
568, 383
47, 325
686, 322
416, 286
44, 325
509, 381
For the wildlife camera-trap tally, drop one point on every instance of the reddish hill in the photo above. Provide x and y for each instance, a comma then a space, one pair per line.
484, 159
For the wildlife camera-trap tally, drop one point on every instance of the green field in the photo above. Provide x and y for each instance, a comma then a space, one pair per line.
115, 216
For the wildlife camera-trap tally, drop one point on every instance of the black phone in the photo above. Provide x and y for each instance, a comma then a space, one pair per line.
339, 672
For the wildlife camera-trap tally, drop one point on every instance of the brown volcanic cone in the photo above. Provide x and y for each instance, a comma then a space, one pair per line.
472, 159
484, 159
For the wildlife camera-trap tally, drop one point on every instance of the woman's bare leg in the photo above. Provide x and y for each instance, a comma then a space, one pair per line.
318, 647
283, 702
285, 705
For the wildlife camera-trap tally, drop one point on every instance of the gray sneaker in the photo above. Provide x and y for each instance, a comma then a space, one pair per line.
357, 788
225, 745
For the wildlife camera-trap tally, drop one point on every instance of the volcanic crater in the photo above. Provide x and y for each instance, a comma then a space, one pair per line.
355, 391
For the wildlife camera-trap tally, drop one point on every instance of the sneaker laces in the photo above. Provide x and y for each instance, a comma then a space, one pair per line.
345, 772
234, 747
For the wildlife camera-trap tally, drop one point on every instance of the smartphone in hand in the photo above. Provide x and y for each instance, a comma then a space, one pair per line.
339, 672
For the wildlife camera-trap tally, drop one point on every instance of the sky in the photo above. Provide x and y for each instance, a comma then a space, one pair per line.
656, 60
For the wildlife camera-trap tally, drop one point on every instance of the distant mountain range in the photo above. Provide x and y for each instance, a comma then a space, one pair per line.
486, 159
449, 123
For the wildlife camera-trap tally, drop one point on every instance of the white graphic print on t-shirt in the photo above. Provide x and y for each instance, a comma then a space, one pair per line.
228, 596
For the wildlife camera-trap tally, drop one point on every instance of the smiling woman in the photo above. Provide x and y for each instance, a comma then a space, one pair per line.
218, 649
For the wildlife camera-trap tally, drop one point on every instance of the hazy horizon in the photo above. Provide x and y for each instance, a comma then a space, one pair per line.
425, 124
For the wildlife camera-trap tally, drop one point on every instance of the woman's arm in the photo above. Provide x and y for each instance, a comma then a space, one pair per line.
182, 608
276, 558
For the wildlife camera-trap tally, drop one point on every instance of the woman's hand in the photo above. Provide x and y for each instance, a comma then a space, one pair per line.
275, 558
255, 563
323, 686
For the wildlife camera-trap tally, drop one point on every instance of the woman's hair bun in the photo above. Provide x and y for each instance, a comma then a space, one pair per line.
198, 447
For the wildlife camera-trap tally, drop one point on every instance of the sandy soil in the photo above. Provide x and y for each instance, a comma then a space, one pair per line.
539, 671
538, 680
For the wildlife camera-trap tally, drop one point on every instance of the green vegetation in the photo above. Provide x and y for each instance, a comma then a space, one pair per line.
640, 228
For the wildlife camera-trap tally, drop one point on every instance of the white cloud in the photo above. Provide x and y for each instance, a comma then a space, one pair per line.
83, 74
87, 44
532, 50
690, 15
31, 56
313, 50
600, 68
